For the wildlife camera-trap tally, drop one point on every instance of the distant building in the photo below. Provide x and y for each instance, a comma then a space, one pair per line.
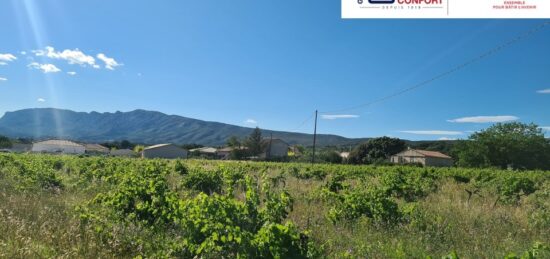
426, 158
168, 151
123, 152
225, 153
344, 155
274, 148
209, 152
58, 146
96, 149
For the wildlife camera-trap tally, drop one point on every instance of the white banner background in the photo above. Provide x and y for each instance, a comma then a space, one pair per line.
446, 9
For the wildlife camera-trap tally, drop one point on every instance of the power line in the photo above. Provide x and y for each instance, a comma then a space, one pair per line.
303, 123
452, 70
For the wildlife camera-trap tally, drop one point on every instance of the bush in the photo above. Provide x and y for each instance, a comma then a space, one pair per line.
206, 181
409, 186
371, 203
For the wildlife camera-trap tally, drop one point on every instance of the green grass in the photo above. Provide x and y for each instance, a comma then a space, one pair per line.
40, 218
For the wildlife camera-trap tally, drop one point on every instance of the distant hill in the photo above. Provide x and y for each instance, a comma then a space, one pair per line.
139, 126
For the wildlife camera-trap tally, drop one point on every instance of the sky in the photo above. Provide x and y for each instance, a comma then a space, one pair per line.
272, 64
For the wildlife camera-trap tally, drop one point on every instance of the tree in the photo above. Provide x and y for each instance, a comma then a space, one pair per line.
5, 142
376, 149
254, 142
139, 148
331, 156
125, 144
504, 145
234, 142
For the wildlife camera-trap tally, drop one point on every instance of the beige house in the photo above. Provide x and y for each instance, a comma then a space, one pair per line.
167, 151
274, 148
426, 158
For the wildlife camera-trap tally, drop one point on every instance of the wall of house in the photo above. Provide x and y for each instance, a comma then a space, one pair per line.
408, 160
38, 147
436, 161
278, 149
168, 152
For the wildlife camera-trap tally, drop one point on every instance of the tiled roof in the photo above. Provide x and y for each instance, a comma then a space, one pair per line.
432, 153
157, 146
95, 147
204, 150
59, 143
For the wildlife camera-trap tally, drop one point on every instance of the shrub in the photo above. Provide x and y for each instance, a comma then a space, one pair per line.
206, 181
371, 203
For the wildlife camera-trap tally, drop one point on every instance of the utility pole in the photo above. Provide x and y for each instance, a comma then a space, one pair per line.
314, 138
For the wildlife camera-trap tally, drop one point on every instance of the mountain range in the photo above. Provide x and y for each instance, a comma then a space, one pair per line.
139, 126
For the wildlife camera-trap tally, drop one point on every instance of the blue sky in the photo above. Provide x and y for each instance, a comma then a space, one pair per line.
271, 64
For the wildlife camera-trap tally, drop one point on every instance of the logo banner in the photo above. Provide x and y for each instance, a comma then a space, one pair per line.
445, 9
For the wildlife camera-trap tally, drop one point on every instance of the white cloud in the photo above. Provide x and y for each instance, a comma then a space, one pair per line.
544, 91
74, 56
485, 119
46, 68
338, 116
250, 121
40, 100
23, 53
3, 63
3, 79
110, 63
432, 132
546, 128
7, 57
71, 73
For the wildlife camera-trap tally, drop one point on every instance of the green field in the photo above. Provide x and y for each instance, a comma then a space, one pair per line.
90, 207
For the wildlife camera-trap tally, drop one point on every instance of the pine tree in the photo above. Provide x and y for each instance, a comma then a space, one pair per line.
254, 142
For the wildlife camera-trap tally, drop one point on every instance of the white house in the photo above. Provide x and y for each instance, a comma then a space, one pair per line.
58, 146
168, 151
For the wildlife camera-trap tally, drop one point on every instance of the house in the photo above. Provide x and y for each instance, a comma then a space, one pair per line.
224, 153
205, 152
96, 149
168, 151
426, 158
58, 146
123, 152
274, 148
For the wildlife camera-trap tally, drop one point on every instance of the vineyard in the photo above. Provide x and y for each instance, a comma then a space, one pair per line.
74, 207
